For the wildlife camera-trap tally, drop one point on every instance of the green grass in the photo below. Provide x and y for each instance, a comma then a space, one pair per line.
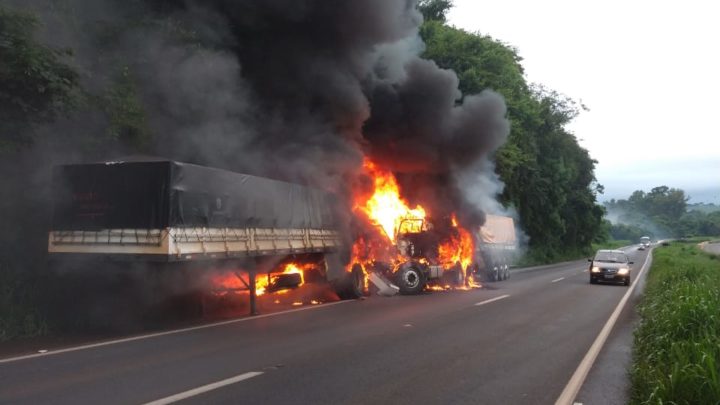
676, 357
20, 315
611, 244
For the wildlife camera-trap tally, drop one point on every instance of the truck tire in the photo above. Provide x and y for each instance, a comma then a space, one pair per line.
411, 279
284, 281
495, 273
352, 286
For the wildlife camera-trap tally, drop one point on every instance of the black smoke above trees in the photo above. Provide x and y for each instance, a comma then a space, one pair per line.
299, 90
330, 82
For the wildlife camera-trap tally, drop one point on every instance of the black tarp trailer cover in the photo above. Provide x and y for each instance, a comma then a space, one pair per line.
168, 210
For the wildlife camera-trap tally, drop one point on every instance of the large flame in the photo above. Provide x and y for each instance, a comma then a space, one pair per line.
457, 249
231, 281
385, 207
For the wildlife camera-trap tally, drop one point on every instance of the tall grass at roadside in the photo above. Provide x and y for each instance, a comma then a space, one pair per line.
20, 313
676, 357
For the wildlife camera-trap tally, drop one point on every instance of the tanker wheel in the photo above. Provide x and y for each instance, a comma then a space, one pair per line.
410, 279
495, 276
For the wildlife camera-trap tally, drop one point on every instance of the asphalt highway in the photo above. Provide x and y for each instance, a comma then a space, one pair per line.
514, 342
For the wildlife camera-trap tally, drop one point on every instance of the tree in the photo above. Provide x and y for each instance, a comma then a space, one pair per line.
549, 178
35, 85
435, 10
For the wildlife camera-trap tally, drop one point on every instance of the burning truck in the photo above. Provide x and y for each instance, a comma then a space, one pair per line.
175, 221
415, 251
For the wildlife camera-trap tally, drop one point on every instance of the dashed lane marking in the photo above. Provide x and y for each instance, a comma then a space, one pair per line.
558, 279
492, 300
205, 388
573, 386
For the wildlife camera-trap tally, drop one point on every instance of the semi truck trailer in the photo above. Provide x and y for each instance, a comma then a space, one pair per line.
176, 220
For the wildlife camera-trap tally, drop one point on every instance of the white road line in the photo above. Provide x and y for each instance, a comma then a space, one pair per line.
205, 388
169, 332
578, 378
492, 300
558, 279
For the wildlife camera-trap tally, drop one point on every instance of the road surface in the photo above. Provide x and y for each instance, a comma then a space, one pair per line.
514, 342
712, 247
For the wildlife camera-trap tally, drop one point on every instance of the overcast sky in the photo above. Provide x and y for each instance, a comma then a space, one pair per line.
649, 71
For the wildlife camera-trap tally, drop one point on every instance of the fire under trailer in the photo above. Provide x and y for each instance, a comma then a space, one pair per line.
174, 220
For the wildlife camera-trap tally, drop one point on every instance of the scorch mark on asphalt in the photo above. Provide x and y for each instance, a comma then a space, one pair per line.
492, 300
205, 388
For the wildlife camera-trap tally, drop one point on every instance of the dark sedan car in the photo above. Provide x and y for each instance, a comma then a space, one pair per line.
610, 266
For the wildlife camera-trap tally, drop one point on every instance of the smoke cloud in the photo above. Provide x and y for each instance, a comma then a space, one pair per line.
299, 90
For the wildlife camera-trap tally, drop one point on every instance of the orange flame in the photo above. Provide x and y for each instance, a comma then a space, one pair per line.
385, 207
458, 249
231, 281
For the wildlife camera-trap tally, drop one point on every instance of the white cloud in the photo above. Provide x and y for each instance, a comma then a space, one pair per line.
648, 71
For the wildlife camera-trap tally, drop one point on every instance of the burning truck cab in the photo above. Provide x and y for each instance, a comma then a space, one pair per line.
430, 258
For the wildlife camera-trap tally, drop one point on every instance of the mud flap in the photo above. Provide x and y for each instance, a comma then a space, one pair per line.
385, 287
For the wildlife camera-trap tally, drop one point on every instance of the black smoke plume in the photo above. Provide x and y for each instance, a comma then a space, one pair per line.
299, 90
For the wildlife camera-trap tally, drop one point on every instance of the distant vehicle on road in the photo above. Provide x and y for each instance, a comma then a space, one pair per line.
610, 266
644, 243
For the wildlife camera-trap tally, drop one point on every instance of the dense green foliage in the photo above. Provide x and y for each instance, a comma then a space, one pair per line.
677, 345
662, 212
549, 178
35, 84
435, 10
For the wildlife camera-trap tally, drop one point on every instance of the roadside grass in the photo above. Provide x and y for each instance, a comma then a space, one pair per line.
676, 358
611, 244
20, 314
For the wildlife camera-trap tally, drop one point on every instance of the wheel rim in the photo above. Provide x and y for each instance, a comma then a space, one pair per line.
411, 278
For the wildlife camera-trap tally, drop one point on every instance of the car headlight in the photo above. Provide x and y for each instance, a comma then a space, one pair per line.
623, 271
595, 270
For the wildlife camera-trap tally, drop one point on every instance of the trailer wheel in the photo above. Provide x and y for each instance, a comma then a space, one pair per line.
410, 279
507, 271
